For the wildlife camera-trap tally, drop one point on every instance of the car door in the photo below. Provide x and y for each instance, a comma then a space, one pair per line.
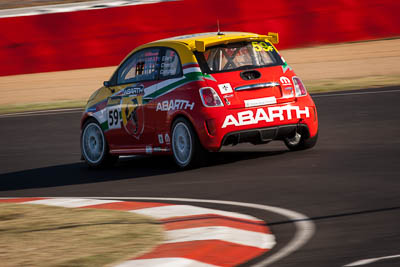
160, 97
129, 128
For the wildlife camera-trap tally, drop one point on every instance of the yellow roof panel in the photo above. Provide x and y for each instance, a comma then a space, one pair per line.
213, 38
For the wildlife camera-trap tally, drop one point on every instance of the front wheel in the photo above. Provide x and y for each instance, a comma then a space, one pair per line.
186, 148
94, 146
300, 141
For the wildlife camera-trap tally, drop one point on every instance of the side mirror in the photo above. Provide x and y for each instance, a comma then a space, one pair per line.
106, 83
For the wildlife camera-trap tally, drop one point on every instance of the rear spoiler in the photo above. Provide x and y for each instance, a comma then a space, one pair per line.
272, 37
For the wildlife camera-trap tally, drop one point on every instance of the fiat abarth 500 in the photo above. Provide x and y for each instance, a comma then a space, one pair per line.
191, 94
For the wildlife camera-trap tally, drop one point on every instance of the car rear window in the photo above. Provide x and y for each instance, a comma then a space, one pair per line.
238, 56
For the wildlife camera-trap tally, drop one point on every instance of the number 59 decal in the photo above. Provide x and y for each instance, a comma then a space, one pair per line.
259, 46
114, 118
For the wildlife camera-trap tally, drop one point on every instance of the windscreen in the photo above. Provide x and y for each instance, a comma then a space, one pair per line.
238, 56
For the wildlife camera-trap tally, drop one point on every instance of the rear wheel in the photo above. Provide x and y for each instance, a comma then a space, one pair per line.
300, 141
94, 146
186, 148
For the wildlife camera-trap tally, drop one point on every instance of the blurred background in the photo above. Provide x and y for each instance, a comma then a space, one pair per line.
55, 56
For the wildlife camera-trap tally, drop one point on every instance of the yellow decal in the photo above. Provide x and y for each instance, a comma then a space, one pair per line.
133, 115
128, 108
259, 46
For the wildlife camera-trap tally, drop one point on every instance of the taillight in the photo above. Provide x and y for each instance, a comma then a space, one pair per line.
210, 98
299, 87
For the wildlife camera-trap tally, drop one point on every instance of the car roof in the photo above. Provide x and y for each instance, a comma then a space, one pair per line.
205, 39
211, 38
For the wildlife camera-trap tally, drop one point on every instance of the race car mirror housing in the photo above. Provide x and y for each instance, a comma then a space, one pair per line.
273, 37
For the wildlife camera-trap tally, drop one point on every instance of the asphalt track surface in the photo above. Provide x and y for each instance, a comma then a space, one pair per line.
348, 184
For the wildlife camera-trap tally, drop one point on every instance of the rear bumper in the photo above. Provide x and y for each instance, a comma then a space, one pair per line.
264, 135
256, 125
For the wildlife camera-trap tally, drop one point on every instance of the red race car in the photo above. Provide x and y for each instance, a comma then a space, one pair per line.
196, 93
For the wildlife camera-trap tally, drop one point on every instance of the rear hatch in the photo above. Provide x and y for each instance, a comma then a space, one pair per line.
247, 74
238, 91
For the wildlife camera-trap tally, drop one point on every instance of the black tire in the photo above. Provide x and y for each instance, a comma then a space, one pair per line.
301, 141
186, 148
94, 147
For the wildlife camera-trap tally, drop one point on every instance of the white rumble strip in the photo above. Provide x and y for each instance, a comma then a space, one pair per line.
188, 210
70, 202
164, 262
232, 235
191, 227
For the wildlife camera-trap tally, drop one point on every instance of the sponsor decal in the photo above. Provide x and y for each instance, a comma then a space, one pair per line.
160, 149
114, 100
160, 139
123, 111
133, 115
285, 81
175, 104
113, 113
269, 114
114, 117
149, 149
134, 90
167, 140
227, 100
225, 88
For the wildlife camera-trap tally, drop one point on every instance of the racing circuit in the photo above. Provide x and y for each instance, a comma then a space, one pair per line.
336, 204
347, 185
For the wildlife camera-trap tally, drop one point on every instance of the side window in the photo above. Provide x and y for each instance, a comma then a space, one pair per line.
141, 66
170, 65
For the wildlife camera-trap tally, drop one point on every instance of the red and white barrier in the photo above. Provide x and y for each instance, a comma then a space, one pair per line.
102, 37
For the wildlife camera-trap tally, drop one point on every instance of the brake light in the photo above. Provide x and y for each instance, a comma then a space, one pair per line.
299, 87
210, 98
